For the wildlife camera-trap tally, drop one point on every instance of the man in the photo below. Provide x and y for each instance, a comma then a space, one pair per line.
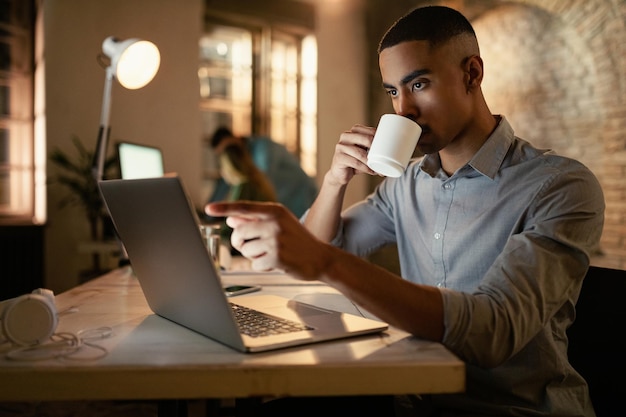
294, 188
494, 235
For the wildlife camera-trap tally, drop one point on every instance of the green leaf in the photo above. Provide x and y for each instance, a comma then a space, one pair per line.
76, 176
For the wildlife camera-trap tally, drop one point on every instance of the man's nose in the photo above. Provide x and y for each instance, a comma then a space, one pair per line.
405, 106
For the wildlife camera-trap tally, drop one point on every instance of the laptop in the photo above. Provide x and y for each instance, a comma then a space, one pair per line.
139, 161
159, 228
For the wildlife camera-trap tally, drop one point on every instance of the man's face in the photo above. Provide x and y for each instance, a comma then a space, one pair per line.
429, 86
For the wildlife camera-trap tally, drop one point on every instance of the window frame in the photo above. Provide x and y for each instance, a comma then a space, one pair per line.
20, 166
265, 31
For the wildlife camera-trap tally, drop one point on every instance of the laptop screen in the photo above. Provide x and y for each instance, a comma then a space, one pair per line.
139, 161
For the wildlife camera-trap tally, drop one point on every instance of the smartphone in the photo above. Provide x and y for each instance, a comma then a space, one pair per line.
233, 290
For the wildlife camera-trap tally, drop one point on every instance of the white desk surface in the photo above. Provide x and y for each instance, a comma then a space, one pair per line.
152, 358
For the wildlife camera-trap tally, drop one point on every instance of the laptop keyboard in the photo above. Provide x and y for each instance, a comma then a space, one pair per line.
253, 323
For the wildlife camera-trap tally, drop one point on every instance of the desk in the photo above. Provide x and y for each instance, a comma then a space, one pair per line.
152, 358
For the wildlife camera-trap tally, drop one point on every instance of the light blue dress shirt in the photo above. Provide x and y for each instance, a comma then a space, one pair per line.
508, 239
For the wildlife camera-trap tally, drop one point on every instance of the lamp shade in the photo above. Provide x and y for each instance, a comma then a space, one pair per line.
134, 62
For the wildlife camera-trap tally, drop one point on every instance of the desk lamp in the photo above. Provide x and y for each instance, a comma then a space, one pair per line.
134, 63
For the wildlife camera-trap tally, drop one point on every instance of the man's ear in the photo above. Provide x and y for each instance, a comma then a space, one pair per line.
473, 72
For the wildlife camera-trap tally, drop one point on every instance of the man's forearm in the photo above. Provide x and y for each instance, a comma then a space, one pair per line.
325, 213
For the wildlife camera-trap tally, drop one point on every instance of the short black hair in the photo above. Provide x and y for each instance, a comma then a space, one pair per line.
220, 134
435, 24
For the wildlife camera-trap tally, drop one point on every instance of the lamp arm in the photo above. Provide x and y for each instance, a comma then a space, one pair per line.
103, 133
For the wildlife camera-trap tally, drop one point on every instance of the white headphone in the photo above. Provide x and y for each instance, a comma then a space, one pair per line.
29, 319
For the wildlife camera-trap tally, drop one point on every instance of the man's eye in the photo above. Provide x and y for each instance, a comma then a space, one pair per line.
417, 86
392, 93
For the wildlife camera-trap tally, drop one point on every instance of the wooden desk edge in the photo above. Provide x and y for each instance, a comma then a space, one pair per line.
120, 384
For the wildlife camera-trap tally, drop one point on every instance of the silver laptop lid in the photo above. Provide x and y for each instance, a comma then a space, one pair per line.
167, 248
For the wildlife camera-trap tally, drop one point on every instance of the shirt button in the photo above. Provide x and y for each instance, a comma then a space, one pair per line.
437, 236
447, 186
440, 285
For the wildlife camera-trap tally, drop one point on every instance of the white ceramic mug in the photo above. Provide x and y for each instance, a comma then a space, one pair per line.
393, 145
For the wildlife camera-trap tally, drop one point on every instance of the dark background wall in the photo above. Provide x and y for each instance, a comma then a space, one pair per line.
21, 269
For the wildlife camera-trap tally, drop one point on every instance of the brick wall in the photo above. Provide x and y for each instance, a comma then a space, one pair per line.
557, 70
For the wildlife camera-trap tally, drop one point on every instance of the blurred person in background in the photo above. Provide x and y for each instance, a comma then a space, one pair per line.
242, 180
294, 188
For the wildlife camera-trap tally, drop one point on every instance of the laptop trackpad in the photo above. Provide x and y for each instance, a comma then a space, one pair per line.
306, 310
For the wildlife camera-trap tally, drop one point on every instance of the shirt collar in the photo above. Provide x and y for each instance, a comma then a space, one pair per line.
489, 157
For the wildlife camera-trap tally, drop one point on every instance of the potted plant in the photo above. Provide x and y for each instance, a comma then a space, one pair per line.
76, 175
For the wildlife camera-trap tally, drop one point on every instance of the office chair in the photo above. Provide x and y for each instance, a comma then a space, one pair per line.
597, 345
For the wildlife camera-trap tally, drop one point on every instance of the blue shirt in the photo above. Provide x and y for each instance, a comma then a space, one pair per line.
508, 239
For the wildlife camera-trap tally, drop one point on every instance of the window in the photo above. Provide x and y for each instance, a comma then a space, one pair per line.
308, 106
225, 75
258, 77
18, 153
293, 97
